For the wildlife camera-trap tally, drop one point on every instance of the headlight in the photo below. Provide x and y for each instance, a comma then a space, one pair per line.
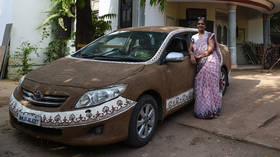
96, 97
21, 80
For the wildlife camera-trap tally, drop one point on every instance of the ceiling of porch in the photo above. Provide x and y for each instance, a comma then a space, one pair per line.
264, 6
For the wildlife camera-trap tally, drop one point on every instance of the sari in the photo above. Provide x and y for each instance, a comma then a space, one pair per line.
208, 95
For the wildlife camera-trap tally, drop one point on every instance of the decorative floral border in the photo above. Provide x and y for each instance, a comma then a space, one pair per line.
76, 117
179, 100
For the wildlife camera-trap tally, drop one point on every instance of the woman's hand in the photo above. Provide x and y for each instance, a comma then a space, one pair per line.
198, 57
193, 60
206, 53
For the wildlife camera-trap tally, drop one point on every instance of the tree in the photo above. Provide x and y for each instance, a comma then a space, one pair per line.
84, 24
84, 31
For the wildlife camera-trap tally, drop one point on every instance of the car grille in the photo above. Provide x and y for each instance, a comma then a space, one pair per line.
39, 99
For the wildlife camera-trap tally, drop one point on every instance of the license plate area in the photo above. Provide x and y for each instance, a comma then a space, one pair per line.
29, 118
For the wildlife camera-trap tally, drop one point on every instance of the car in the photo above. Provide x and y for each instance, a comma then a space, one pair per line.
117, 88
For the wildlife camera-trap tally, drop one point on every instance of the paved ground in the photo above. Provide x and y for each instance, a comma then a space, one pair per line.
250, 115
250, 111
6, 87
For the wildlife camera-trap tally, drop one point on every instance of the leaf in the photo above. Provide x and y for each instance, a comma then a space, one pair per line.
161, 3
47, 20
109, 16
64, 6
142, 3
81, 4
61, 23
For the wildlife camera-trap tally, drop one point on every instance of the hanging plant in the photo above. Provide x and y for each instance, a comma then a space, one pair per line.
60, 9
161, 3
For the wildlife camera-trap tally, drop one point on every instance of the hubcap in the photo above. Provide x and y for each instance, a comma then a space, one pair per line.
145, 121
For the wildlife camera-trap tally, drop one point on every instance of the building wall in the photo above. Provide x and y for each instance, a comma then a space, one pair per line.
110, 7
26, 18
5, 16
177, 11
253, 27
211, 9
255, 33
153, 15
171, 14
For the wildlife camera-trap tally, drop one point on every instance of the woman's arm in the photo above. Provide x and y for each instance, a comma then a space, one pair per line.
191, 49
191, 54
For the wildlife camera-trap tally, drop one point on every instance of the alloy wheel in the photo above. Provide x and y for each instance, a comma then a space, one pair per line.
145, 121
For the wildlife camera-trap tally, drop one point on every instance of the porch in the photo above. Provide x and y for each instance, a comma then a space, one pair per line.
234, 25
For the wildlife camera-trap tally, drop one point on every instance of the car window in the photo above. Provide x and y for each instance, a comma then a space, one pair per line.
178, 44
133, 46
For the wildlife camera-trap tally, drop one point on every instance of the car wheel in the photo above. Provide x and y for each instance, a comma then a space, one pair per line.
143, 121
224, 80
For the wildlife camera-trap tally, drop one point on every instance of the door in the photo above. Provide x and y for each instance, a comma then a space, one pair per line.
180, 75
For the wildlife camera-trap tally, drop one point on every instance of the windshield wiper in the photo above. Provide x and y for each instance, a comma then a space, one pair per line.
103, 54
124, 59
90, 56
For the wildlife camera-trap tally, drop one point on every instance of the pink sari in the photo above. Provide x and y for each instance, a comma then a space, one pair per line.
208, 96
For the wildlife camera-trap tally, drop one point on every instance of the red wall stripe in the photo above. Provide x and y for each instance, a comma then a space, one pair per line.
253, 3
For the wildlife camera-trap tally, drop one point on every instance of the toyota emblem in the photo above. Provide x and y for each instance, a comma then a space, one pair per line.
38, 95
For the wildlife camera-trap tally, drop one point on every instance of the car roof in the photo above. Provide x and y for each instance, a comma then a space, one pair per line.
166, 29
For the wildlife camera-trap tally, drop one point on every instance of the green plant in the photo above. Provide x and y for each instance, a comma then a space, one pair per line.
161, 3
101, 24
23, 55
56, 49
60, 9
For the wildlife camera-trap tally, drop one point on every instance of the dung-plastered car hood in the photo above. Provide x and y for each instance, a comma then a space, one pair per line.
86, 74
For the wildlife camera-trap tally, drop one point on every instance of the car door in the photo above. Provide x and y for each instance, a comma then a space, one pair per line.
180, 75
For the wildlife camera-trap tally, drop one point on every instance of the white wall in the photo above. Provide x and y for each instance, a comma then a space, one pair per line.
153, 15
5, 16
255, 30
110, 7
27, 15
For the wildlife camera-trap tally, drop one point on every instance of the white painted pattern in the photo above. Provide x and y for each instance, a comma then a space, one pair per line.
179, 99
77, 117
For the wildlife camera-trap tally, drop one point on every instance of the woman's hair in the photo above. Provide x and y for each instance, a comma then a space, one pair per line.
201, 18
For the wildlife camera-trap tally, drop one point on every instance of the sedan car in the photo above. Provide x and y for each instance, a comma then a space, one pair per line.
117, 88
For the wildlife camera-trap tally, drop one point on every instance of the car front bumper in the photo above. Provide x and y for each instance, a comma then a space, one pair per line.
99, 125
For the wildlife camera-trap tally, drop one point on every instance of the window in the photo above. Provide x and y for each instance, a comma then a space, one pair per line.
125, 13
193, 13
179, 43
219, 33
225, 35
124, 46
191, 17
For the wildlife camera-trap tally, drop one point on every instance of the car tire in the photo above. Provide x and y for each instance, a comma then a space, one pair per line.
224, 80
143, 121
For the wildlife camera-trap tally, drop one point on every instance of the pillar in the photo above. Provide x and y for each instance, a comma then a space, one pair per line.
266, 30
232, 34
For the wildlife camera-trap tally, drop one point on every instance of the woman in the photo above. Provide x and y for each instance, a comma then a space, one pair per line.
205, 53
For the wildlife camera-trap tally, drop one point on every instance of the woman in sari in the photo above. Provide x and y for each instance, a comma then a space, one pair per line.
205, 53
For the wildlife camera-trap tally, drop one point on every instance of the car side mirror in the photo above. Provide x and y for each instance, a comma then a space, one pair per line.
174, 57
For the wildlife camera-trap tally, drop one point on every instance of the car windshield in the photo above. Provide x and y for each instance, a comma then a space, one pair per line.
130, 46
